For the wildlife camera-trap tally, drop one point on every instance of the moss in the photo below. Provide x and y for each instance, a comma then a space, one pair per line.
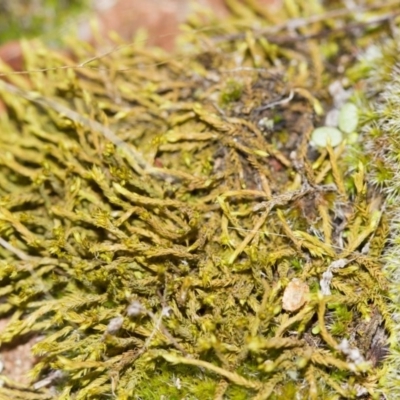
231, 92
382, 147
164, 246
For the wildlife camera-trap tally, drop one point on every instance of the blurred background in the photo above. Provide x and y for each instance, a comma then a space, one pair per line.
28, 18
53, 19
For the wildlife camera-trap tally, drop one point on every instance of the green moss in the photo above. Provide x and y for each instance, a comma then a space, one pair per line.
175, 382
231, 92
238, 393
164, 246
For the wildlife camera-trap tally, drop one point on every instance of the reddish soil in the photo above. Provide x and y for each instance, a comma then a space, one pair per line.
17, 360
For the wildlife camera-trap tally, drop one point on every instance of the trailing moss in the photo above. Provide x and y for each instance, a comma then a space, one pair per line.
168, 229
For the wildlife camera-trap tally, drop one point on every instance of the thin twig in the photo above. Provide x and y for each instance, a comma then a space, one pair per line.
276, 103
349, 28
19, 253
296, 23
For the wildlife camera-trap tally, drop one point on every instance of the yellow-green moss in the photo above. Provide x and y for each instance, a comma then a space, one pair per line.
153, 227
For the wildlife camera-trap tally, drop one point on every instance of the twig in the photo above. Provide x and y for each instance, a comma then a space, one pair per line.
276, 103
349, 28
231, 376
134, 156
19, 253
296, 23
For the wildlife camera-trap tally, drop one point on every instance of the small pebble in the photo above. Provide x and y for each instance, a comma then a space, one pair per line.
295, 295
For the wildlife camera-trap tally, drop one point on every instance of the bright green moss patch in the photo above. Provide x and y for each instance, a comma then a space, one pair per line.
231, 92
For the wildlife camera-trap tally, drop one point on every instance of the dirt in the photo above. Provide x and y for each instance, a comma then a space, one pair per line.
17, 360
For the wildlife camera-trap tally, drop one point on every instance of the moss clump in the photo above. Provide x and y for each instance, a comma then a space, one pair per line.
382, 133
164, 245
231, 92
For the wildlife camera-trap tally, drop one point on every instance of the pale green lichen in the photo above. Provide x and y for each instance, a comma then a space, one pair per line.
348, 118
326, 135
